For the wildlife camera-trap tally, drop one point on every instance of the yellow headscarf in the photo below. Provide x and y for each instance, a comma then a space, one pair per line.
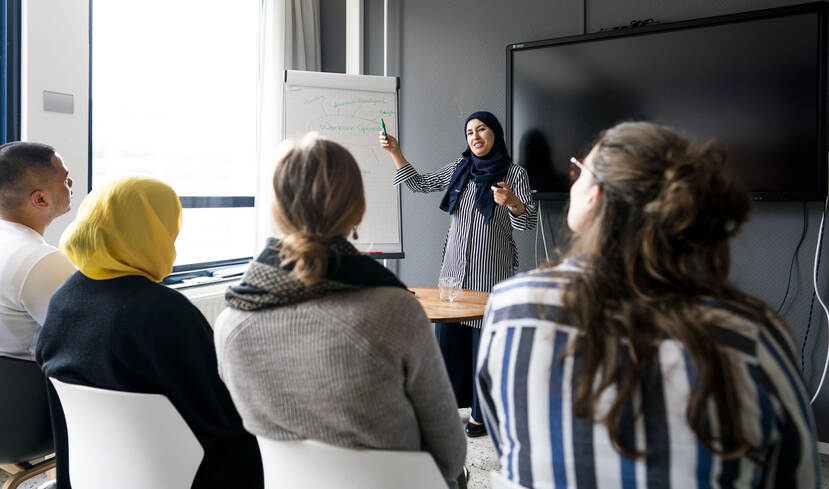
126, 227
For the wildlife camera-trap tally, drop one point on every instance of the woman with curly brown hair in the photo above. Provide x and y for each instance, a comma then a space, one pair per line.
635, 362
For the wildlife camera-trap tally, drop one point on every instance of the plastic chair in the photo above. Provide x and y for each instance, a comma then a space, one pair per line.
311, 464
500, 482
126, 440
25, 426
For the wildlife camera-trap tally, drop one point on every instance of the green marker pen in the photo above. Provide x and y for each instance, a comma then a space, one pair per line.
383, 123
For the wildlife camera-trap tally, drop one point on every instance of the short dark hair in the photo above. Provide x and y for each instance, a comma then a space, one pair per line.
23, 166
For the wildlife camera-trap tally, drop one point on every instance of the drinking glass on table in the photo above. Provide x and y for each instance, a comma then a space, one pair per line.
449, 287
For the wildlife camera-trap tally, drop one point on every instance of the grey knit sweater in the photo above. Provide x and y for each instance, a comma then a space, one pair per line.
359, 368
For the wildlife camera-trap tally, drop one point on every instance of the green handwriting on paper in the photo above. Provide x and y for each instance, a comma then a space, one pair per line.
344, 125
318, 98
329, 127
373, 101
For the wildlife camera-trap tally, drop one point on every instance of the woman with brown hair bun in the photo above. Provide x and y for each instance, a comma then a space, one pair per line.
635, 362
322, 343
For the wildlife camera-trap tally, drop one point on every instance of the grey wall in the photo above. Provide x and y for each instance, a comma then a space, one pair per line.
451, 63
332, 35
450, 57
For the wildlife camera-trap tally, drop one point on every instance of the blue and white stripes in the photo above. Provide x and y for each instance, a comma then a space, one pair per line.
527, 402
477, 254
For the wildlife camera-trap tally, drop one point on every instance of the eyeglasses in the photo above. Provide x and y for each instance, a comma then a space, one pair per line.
576, 167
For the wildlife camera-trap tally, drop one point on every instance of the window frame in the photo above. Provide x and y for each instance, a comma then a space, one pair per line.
10, 28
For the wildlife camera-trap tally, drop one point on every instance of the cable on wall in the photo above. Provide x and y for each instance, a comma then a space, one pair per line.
543, 237
795, 257
820, 300
537, 230
808, 327
540, 228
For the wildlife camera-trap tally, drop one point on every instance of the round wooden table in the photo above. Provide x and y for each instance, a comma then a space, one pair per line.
469, 305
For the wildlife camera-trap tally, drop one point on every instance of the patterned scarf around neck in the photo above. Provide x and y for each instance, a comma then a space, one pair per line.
268, 284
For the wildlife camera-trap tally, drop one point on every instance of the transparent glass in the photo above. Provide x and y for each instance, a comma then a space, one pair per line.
174, 97
449, 287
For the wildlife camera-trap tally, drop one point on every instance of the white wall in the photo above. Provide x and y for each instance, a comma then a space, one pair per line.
55, 57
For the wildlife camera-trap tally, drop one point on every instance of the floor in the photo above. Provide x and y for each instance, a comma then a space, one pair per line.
32, 483
480, 460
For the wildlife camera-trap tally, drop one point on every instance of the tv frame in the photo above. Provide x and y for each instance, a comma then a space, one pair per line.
813, 7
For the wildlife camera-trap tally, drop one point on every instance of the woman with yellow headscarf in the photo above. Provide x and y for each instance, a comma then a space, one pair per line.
112, 325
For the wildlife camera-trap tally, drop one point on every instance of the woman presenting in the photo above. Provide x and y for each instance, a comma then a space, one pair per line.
486, 196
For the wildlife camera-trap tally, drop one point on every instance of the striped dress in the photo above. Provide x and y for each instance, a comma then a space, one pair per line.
527, 403
477, 254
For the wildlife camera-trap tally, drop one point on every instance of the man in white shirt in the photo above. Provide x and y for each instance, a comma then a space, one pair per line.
35, 188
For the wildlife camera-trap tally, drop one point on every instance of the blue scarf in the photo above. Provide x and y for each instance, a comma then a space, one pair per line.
485, 171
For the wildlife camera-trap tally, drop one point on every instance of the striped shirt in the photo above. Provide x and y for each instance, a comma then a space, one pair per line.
527, 402
477, 254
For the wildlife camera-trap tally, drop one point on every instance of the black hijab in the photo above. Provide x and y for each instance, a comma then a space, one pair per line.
485, 171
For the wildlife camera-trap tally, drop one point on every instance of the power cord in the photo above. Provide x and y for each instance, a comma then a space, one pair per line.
543, 237
535, 243
820, 300
806, 336
795, 257
537, 229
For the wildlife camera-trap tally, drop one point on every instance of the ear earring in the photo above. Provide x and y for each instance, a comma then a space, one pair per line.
354, 233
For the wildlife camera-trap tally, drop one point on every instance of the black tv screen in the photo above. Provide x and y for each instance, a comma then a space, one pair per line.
756, 82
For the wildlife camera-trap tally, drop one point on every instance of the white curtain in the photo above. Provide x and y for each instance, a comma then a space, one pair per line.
289, 35
302, 35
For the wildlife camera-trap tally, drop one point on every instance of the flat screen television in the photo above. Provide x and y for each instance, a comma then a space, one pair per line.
754, 81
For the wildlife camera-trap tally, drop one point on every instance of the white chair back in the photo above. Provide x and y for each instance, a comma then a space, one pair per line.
126, 440
500, 482
311, 464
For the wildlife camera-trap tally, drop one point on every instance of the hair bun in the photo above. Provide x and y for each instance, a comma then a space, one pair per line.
318, 196
698, 200
308, 252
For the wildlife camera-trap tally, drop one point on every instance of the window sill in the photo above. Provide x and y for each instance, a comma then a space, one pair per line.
215, 287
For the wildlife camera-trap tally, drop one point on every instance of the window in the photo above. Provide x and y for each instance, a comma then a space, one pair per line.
173, 96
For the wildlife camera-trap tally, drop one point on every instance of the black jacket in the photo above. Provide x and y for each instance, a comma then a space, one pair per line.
132, 334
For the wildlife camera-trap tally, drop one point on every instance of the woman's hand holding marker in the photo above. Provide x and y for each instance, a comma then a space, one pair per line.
505, 196
389, 143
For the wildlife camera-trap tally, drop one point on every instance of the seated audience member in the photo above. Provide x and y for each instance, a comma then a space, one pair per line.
635, 362
322, 343
35, 188
112, 325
